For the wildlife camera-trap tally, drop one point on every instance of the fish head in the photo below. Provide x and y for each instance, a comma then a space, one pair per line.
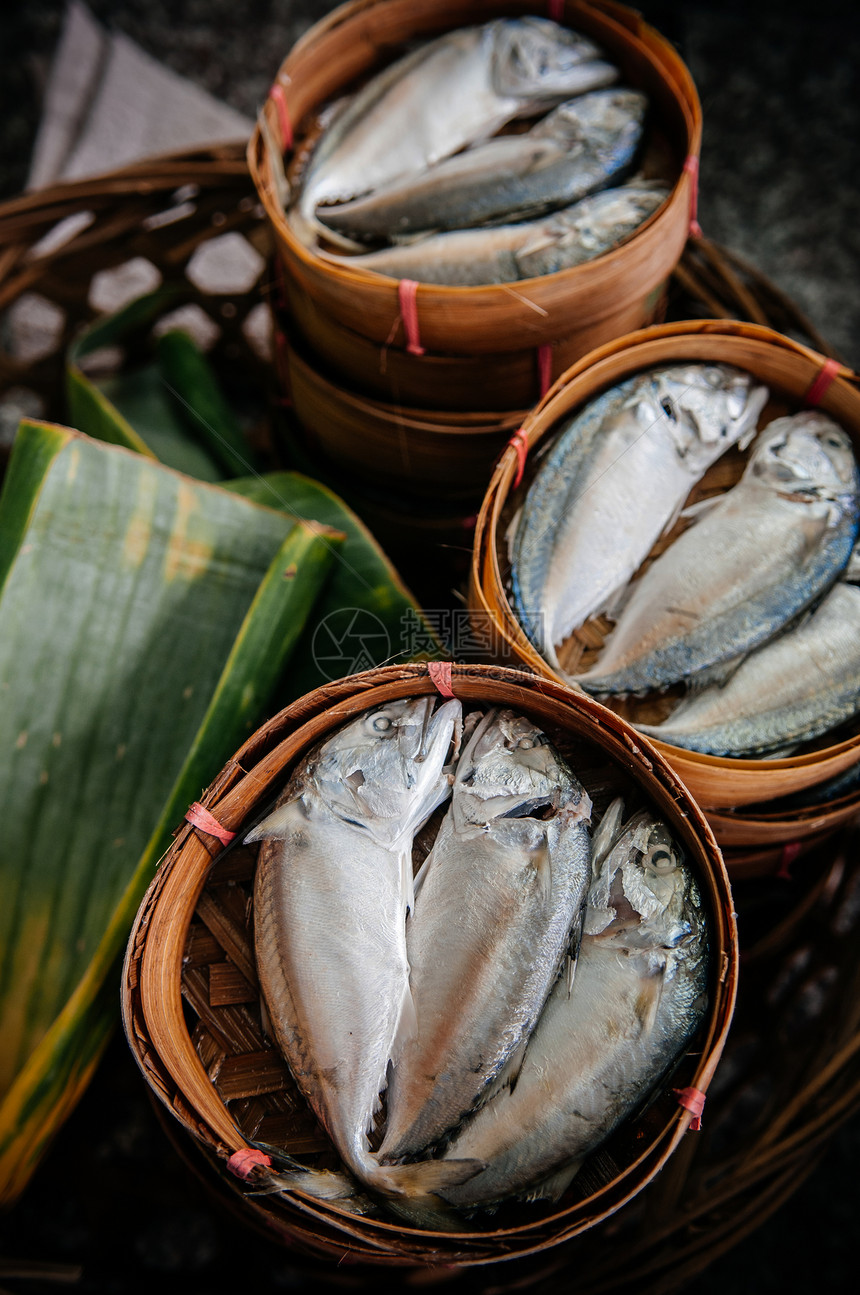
509, 769
384, 771
806, 454
535, 59
704, 408
640, 895
613, 113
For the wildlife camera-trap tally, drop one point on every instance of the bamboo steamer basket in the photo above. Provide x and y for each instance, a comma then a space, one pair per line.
790, 370
591, 302
513, 379
436, 455
226, 1085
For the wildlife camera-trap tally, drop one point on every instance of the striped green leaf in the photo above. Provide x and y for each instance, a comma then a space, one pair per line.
145, 621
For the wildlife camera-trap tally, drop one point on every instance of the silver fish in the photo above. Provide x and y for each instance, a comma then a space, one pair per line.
574, 151
499, 900
334, 879
446, 94
614, 480
506, 253
600, 1047
792, 689
746, 567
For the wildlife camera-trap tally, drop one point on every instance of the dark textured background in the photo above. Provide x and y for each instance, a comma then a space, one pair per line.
779, 184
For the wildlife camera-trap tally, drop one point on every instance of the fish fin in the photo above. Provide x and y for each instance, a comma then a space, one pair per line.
426, 1177
570, 969
647, 1002
275, 826
265, 1019
699, 508
407, 1025
606, 833
555, 1185
715, 675
541, 861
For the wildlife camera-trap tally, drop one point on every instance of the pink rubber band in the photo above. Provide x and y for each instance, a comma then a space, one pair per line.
790, 851
520, 442
243, 1162
407, 291
440, 673
691, 166
822, 381
693, 1101
555, 10
544, 355
200, 817
279, 99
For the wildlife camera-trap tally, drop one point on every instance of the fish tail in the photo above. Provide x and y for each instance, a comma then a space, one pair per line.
425, 1178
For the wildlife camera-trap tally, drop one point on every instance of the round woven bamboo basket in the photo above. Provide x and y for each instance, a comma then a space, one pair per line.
584, 305
216, 1068
388, 446
790, 369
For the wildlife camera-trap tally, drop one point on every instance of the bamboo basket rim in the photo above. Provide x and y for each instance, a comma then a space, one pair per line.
405, 416
647, 345
614, 18
168, 908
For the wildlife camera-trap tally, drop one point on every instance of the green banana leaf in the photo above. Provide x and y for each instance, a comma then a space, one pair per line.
366, 615
150, 408
190, 379
145, 620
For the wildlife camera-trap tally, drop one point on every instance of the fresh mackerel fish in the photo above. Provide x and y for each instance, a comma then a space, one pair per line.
506, 253
577, 149
601, 1046
333, 883
745, 567
445, 95
615, 479
499, 905
794, 688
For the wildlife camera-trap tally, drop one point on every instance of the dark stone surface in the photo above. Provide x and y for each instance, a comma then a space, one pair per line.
779, 184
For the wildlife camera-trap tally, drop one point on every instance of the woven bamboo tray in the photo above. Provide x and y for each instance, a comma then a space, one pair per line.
232, 1083
790, 370
586, 304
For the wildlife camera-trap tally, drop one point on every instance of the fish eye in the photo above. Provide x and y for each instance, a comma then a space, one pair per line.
525, 744
381, 723
832, 440
668, 408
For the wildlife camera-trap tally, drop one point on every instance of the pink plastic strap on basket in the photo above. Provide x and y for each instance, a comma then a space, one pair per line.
790, 851
520, 442
544, 356
440, 673
200, 817
279, 99
243, 1162
693, 1101
691, 166
821, 382
555, 10
407, 294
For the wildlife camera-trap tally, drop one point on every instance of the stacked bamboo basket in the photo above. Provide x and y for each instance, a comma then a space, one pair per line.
425, 405
232, 1085
741, 797
791, 1070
